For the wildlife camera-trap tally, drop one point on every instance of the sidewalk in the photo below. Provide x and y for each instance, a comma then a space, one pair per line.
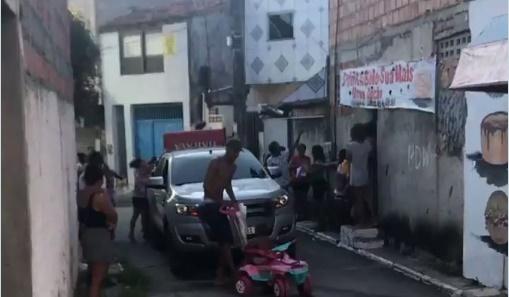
420, 266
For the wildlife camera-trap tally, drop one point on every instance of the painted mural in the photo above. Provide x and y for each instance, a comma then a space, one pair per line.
495, 216
485, 164
485, 208
491, 161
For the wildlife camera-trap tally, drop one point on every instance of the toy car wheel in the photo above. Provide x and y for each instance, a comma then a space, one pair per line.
281, 287
244, 285
305, 288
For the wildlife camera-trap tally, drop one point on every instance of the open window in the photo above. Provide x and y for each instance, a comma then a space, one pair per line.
281, 26
141, 52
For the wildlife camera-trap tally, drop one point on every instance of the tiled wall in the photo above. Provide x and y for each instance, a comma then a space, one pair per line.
291, 60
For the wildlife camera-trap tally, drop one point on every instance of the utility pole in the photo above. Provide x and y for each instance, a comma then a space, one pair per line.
239, 80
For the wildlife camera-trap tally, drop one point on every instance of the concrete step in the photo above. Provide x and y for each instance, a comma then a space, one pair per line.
485, 292
361, 238
369, 244
357, 232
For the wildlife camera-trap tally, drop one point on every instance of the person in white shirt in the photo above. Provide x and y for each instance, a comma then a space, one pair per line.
359, 150
278, 162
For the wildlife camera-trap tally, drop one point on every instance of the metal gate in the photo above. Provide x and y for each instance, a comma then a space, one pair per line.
151, 122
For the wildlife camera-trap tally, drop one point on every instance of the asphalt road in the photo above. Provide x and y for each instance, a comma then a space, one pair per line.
335, 272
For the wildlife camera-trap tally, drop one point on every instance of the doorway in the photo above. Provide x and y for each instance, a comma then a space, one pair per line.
151, 122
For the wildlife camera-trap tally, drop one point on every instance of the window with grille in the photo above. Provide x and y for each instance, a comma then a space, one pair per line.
451, 47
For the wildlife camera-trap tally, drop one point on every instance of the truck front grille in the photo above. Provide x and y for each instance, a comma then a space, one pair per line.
262, 209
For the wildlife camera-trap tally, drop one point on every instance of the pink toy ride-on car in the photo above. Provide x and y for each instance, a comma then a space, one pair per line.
275, 268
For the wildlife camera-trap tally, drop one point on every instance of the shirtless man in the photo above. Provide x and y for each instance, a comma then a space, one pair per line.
217, 180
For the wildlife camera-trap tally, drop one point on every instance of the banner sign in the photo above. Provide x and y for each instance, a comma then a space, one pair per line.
409, 85
175, 141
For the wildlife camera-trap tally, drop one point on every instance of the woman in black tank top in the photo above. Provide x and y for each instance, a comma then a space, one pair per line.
98, 219
94, 218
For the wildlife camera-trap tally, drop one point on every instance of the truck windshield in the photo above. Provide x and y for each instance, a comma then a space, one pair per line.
192, 169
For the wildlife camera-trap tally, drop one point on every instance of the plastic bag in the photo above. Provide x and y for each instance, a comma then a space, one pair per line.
238, 225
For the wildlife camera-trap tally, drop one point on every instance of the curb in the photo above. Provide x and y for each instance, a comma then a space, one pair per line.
426, 279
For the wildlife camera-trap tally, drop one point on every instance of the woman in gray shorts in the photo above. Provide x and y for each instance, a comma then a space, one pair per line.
99, 218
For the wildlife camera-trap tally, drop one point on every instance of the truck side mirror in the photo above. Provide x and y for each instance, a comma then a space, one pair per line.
156, 182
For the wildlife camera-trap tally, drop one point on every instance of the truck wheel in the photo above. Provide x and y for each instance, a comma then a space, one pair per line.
156, 238
176, 259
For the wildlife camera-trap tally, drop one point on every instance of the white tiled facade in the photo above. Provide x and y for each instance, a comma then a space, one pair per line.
290, 60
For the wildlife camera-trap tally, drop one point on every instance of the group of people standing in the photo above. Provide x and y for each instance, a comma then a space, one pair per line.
300, 173
295, 171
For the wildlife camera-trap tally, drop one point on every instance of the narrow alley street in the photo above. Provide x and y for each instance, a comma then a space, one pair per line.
348, 148
335, 272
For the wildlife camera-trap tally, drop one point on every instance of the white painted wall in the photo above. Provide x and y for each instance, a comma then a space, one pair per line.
171, 86
257, 46
51, 163
227, 112
479, 260
275, 129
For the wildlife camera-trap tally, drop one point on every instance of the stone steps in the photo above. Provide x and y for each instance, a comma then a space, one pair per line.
361, 238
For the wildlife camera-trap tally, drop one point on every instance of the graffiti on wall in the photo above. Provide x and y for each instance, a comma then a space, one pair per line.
451, 119
451, 112
420, 157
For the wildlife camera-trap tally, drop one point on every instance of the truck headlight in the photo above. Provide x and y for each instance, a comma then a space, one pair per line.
189, 210
181, 209
281, 201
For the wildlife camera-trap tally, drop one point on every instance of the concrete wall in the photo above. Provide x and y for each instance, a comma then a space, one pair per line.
51, 155
207, 43
419, 161
41, 253
314, 132
86, 138
310, 42
16, 248
170, 86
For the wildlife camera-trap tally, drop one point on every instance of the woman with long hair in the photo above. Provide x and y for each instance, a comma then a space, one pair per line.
98, 219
